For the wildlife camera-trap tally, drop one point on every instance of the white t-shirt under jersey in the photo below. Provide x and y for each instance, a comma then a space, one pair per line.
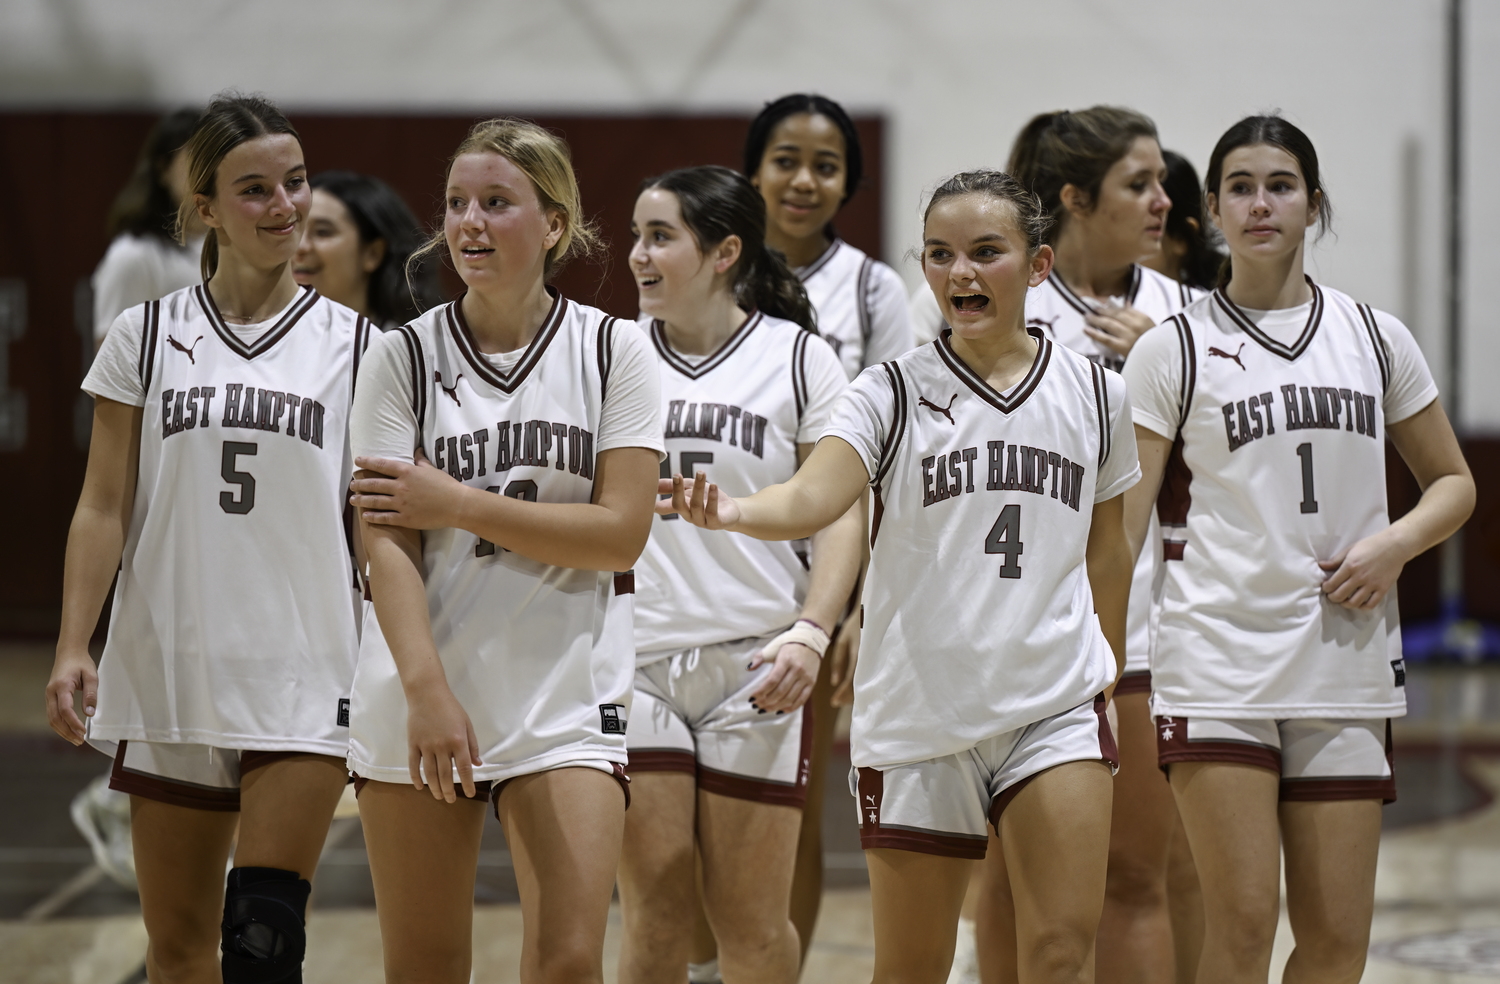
861, 306
231, 624
1262, 491
736, 415
978, 613
540, 656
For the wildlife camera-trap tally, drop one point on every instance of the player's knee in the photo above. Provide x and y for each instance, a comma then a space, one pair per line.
1058, 954
1138, 886
1244, 927
264, 929
565, 961
182, 957
1333, 954
753, 941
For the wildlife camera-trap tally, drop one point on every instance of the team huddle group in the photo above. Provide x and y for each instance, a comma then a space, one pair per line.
1091, 531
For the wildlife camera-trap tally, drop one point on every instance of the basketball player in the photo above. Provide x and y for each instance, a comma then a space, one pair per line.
215, 486
802, 152
510, 442
720, 750
1099, 174
997, 460
1263, 412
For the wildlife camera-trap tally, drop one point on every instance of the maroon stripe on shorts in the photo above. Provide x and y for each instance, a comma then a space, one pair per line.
1108, 750
754, 790
1135, 682
168, 791
874, 836
1331, 789
617, 773
1172, 745
661, 760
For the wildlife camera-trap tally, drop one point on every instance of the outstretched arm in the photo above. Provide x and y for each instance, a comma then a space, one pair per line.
831, 480
1364, 574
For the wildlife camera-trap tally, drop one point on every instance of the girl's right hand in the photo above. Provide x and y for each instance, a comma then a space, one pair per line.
703, 505
71, 671
440, 739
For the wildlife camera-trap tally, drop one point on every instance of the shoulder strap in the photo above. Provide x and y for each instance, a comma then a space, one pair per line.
148, 343
605, 354
799, 372
1382, 355
862, 298
1189, 368
361, 342
1101, 410
420, 380
898, 423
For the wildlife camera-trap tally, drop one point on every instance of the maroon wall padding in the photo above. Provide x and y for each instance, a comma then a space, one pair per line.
64, 169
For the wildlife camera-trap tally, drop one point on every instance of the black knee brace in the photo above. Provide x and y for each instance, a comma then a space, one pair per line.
265, 913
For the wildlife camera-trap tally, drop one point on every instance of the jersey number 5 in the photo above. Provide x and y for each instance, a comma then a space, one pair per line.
229, 471
1005, 538
524, 489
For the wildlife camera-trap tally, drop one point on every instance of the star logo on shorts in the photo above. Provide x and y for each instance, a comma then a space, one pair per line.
874, 817
1168, 728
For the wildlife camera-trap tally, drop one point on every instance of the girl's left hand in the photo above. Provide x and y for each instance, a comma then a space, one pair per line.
1363, 575
412, 495
1117, 327
790, 682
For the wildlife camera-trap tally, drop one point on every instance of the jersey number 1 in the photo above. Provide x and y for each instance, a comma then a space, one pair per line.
524, 489
1005, 538
1309, 501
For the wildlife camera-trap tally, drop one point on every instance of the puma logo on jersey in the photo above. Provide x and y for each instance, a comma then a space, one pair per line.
452, 391
185, 349
937, 409
1041, 323
1235, 357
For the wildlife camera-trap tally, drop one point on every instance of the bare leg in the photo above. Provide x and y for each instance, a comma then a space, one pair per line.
994, 917
1185, 903
807, 882
917, 899
565, 830
1135, 933
658, 885
423, 856
1331, 849
179, 864
285, 810
749, 850
1229, 814
1056, 837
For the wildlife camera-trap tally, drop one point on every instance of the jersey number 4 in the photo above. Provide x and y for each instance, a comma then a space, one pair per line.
1005, 538
524, 489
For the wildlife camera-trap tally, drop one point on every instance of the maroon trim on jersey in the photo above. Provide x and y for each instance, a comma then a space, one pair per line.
1101, 411
1134, 682
148, 343
606, 353
1108, 750
505, 382
1174, 499
708, 365
862, 299
897, 429
1132, 288
418, 376
809, 271
661, 760
1173, 745
1377, 342
1289, 353
873, 835
1006, 404
625, 582
799, 374
272, 335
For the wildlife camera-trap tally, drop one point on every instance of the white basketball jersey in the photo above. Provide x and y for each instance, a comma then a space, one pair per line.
1056, 309
861, 306
978, 614
737, 416
1279, 463
539, 656
232, 625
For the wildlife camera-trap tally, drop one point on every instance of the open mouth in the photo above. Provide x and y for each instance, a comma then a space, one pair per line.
475, 252
970, 302
644, 282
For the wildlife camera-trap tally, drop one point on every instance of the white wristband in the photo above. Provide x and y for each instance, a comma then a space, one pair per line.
804, 633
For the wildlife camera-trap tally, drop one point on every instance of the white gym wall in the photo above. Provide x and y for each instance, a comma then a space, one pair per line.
954, 79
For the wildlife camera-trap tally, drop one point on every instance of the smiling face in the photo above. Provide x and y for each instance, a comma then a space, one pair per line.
1262, 205
1127, 221
802, 175
330, 256
673, 276
261, 201
975, 259
497, 230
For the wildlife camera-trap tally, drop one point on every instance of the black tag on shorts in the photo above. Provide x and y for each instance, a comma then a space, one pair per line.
1398, 666
343, 712
612, 719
